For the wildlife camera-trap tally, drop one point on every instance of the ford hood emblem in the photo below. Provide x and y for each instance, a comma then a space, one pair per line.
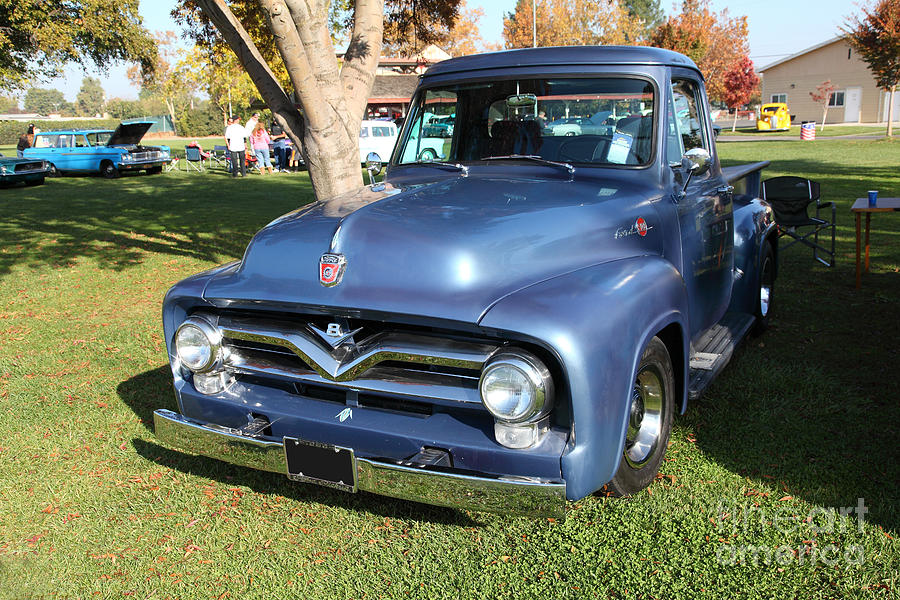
331, 269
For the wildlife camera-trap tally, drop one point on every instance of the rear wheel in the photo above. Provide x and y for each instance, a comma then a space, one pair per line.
54, 172
427, 154
649, 421
108, 170
765, 289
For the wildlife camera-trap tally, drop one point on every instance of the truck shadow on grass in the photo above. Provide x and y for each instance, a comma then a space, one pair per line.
152, 390
810, 408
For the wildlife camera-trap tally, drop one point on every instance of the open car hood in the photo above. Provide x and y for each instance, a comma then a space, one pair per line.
129, 134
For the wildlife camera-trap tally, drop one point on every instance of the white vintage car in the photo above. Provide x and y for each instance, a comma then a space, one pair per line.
377, 136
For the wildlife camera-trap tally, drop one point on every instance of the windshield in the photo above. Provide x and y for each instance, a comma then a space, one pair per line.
588, 121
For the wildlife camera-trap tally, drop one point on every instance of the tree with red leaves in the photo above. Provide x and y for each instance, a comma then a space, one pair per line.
876, 36
740, 82
713, 41
822, 95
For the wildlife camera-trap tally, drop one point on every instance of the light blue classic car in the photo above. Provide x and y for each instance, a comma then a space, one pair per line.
99, 150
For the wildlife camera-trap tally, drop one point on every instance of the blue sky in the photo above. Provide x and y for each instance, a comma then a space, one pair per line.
778, 28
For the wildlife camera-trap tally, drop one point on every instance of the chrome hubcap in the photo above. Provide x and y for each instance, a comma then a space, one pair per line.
645, 420
765, 288
764, 292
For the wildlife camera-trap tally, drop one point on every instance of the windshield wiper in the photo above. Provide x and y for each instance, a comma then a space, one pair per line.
446, 165
535, 158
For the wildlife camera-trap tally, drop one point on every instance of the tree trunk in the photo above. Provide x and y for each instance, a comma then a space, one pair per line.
734, 123
283, 110
170, 106
333, 99
890, 124
824, 116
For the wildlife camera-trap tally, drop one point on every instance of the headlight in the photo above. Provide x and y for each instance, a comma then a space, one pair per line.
3, 170
198, 345
127, 158
516, 387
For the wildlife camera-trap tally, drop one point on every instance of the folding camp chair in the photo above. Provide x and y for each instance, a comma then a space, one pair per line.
172, 165
219, 156
193, 159
790, 198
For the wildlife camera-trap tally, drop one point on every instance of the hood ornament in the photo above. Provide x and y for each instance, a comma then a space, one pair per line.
331, 269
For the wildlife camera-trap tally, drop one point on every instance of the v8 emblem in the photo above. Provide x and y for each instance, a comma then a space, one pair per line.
345, 414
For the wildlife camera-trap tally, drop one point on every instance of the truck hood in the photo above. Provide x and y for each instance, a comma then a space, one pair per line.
129, 134
447, 249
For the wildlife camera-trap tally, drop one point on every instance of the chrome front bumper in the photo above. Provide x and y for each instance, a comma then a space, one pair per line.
457, 490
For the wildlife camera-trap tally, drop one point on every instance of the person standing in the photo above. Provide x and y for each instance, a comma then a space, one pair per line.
25, 142
259, 141
279, 147
234, 138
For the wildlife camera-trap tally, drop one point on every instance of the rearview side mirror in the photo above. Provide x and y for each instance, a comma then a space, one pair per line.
373, 166
695, 161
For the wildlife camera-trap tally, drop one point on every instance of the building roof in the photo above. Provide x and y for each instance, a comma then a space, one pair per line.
563, 56
801, 53
393, 88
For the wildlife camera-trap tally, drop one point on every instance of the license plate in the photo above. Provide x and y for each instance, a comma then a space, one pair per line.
323, 464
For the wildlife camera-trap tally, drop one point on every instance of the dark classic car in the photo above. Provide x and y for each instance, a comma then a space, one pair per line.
506, 329
99, 150
22, 170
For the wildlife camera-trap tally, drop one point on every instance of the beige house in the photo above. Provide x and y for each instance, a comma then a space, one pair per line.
856, 98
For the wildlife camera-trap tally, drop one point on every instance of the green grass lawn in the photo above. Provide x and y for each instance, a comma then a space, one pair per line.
794, 131
804, 419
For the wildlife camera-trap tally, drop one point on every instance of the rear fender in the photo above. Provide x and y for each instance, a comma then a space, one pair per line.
753, 227
596, 321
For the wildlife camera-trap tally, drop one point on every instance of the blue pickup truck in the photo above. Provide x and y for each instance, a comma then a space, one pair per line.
105, 151
506, 329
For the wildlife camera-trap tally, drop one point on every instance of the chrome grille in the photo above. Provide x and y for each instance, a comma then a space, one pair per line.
29, 166
149, 155
414, 367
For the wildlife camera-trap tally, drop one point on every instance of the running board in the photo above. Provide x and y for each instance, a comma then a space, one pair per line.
714, 349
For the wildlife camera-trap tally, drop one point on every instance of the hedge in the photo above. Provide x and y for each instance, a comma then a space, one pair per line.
11, 130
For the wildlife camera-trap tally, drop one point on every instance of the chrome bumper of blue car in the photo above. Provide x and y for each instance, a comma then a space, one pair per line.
458, 490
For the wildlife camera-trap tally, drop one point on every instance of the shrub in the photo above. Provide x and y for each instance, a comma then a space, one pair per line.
11, 130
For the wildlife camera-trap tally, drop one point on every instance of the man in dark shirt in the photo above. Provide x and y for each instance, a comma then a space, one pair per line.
279, 146
24, 143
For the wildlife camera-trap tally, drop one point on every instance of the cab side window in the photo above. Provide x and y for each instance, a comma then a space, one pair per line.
687, 125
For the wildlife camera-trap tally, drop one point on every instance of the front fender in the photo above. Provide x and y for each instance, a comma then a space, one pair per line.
596, 321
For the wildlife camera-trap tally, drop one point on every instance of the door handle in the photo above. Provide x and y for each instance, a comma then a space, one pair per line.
725, 189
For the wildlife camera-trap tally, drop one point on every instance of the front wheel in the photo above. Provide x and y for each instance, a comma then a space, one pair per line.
109, 170
649, 421
54, 172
